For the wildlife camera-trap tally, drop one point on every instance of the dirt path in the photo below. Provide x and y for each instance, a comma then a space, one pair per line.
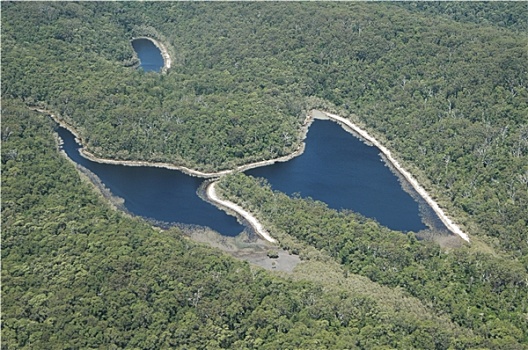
414, 183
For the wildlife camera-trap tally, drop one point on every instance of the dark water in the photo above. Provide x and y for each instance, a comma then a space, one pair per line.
156, 193
336, 168
340, 170
149, 55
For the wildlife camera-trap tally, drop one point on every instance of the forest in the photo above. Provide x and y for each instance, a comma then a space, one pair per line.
445, 91
463, 283
78, 274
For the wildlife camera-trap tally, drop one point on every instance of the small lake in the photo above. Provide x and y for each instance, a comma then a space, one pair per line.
149, 55
336, 168
155, 193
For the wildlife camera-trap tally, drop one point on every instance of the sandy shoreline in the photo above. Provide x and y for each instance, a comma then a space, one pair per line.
414, 183
206, 175
210, 192
189, 171
257, 226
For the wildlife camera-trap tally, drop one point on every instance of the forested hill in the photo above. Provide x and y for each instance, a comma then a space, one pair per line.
78, 274
463, 284
487, 13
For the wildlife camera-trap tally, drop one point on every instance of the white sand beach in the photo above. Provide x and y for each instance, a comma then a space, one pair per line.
257, 226
418, 188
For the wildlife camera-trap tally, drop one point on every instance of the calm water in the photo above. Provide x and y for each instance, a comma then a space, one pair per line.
340, 170
149, 55
156, 193
335, 168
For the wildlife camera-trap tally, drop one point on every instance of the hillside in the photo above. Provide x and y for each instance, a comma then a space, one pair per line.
77, 273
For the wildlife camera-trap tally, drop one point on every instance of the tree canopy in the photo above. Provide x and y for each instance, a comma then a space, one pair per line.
78, 274
446, 91
443, 85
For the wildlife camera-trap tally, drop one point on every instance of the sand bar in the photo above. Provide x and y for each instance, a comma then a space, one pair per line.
257, 226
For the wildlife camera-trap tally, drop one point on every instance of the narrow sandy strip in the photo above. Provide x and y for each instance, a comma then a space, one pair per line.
189, 171
257, 226
419, 189
207, 175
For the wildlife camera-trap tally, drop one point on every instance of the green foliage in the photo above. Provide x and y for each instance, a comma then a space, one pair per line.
473, 288
446, 92
78, 274
448, 96
273, 254
511, 16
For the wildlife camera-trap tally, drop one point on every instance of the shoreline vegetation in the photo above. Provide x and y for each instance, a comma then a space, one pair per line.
210, 191
206, 175
167, 61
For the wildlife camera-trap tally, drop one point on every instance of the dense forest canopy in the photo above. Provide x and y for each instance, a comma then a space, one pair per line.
443, 85
454, 282
446, 92
78, 274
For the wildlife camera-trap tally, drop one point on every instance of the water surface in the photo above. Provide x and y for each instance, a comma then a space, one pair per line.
345, 173
149, 55
156, 193
336, 168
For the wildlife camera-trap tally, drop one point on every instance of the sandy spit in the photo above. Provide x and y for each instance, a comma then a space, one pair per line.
257, 226
414, 183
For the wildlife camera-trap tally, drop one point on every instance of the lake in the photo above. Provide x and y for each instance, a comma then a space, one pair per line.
149, 55
336, 168
156, 193
339, 169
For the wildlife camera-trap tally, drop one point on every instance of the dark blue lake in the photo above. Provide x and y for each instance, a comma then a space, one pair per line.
340, 170
336, 168
156, 193
149, 55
